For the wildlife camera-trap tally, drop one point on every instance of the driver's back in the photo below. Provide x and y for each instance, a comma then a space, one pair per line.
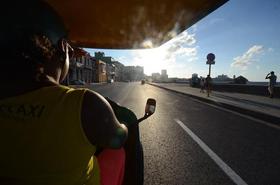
42, 139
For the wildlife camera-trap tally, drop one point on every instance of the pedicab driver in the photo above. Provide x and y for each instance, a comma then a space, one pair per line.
48, 132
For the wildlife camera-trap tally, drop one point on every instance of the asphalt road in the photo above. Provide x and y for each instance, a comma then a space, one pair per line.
187, 142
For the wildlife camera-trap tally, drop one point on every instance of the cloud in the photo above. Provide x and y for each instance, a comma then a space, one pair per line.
165, 56
192, 59
249, 57
184, 38
183, 45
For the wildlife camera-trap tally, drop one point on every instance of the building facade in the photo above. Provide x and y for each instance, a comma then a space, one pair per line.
114, 68
119, 68
81, 68
156, 77
99, 71
164, 76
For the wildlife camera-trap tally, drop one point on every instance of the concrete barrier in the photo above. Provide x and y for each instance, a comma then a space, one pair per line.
247, 89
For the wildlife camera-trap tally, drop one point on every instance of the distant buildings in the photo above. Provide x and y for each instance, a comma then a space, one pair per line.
99, 72
164, 76
100, 68
110, 71
222, 78
81, 67
119, 72
118, 67
156, 77
225, 79
133, 73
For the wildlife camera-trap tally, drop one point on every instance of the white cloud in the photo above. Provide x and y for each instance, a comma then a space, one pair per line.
187, 52
182, 45
184, 38
249, 57
270, 49
192, 59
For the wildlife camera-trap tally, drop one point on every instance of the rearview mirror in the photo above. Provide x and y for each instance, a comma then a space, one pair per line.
149, 109
150, 106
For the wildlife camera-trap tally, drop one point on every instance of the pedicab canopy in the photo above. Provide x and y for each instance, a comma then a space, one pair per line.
129, 24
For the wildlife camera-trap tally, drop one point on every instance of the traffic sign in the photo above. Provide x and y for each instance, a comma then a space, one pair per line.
210, 59
210, 62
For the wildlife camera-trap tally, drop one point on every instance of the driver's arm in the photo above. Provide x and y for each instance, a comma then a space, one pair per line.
100, 123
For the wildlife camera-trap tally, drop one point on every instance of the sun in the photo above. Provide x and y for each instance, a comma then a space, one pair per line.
153, 60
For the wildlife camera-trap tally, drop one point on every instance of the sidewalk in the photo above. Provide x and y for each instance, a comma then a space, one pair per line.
260, 107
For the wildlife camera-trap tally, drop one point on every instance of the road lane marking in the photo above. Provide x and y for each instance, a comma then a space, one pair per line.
228, 171
241, 115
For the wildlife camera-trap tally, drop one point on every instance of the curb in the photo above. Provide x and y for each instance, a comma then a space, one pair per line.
249, 112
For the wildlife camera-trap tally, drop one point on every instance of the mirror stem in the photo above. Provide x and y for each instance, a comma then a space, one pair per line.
144, 117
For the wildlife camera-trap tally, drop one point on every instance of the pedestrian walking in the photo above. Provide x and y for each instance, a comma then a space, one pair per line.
202, 85
208, 84
272, 82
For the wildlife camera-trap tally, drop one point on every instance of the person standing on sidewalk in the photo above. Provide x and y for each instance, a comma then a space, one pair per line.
202, 84
208, 84
272, 82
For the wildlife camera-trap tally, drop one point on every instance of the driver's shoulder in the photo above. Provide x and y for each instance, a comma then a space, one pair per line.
94, 107
99, 123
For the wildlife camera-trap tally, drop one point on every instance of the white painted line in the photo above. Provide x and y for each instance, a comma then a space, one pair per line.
242, 115
229, 172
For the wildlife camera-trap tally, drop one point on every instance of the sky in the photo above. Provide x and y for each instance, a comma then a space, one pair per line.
243, 35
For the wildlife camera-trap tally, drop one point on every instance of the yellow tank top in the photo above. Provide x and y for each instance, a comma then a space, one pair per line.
42, 141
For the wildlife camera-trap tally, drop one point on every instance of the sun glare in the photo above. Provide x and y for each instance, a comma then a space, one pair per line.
153, 60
